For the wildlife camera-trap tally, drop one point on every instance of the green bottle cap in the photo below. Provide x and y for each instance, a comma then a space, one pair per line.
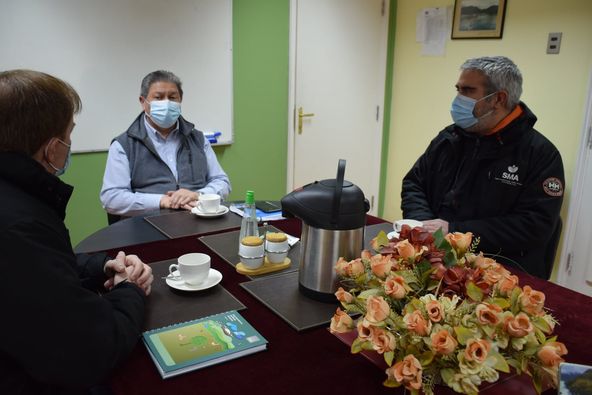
250, 199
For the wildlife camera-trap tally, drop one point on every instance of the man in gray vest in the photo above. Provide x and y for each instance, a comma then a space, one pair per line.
161, 161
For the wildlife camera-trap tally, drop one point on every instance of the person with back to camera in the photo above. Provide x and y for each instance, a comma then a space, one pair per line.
68, 320
491, 173
161, 161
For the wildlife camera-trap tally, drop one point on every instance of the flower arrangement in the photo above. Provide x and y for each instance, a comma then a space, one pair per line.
440, 313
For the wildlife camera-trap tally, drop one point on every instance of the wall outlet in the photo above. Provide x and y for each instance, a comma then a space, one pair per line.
553, 43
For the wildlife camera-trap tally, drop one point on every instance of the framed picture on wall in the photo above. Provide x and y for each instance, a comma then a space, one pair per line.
478, 19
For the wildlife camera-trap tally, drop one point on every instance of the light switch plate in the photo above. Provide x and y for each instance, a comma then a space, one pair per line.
554, 43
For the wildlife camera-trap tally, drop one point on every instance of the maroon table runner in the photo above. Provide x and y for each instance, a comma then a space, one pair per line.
314, 361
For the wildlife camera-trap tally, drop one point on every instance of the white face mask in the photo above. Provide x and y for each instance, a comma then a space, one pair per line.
164, 113
58, 171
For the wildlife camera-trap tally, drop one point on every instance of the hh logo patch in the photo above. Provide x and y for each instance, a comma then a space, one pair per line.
553, 186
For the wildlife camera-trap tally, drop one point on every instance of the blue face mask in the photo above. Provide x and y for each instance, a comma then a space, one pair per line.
61, 171
462, 111
164, 113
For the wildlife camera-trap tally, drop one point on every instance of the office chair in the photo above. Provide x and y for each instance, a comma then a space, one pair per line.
112, 218
551, 249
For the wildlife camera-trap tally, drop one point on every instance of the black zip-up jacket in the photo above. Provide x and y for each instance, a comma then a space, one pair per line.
506, 188
58, 335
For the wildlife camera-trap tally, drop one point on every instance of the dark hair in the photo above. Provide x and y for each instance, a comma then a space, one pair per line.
157, 76
34, 107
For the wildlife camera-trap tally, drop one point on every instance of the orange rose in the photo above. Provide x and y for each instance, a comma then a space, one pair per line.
488, 314
395, 287
381, 265
407, 372
532, 301
343, 296
483, 262
495, 273
459, 241
383, 341
415, 322
377, 309
507, 284
443, 342
435, 310
405, 249
365, 330
366, 254
341, 322
550, 354
349, 269
477, 350
518, 326
340, 266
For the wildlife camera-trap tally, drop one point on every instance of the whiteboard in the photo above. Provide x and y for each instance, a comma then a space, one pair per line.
104, 49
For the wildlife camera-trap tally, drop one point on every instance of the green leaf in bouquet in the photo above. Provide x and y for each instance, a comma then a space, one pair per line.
501, 302
450, 259
390, 383
356, 345
370, 292
474, 292
426, 358
388, 357
497, 361
440, 242
540, 335
489, 330
515, 300
382, 239
541, 324
515, 364
463, 334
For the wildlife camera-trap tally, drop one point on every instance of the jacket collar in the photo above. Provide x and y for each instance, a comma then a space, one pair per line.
28, 175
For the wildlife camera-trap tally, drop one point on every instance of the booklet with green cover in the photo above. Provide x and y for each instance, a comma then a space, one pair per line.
192, 345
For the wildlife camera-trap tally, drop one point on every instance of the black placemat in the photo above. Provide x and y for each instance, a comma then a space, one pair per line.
166, 306
226, 246
282, 296
184, 223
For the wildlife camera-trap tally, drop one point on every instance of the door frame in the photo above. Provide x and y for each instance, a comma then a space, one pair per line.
575, 203
290, 156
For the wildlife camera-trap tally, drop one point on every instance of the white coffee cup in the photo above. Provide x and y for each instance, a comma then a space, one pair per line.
411, 222
209, 203
192, 268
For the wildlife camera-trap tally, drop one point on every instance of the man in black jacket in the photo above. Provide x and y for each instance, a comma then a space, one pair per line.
491, 173
59, 335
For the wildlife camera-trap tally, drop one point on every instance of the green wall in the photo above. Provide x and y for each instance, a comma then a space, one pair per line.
257, 158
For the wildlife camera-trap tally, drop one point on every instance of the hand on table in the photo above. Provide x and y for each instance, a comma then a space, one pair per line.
432, 225
181, 197
130, 268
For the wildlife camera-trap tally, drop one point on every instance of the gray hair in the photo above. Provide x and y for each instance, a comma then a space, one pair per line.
502, 75
158, 76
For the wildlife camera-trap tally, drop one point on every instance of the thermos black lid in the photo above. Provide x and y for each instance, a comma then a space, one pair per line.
333, 204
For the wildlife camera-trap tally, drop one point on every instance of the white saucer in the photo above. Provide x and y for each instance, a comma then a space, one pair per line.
393, 234
221, 211
214, 277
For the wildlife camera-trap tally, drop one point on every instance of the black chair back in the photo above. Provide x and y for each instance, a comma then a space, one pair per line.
551, 249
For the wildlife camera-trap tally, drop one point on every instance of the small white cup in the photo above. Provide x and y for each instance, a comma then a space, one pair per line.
251, 255
411, 222
209, 203
192, 268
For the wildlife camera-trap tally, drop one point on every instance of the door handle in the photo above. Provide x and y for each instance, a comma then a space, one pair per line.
301, 115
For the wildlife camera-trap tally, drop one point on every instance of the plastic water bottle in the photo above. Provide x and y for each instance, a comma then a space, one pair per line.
249, 223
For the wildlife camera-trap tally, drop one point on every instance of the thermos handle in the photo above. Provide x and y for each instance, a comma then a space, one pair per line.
338, 190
